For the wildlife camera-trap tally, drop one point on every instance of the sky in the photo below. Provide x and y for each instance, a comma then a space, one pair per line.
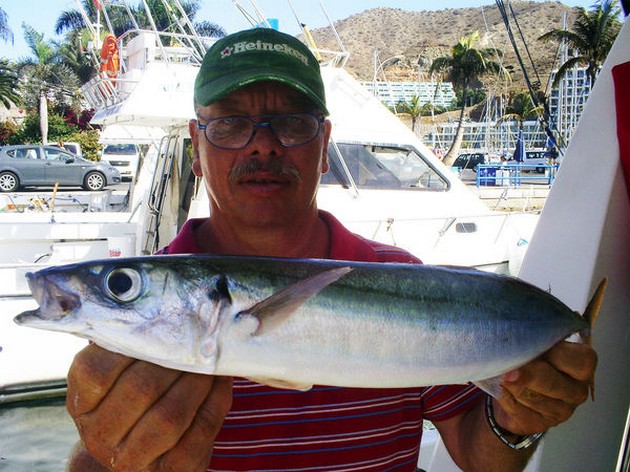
42, 14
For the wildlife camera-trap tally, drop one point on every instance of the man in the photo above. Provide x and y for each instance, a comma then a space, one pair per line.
260, 143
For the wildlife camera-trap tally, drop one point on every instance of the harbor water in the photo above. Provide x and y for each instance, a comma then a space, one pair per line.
36, 437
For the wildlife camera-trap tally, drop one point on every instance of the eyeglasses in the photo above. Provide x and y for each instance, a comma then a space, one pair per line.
236, 132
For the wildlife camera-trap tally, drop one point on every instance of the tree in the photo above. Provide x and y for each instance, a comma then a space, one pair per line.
74, 52
9, 85
464, 67
520, 108
166, 21
72, 20
5, 32
45, 76
591, 37
412, 108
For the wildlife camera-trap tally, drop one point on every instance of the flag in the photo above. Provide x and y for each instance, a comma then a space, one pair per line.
621, 79
98, 5
519, 152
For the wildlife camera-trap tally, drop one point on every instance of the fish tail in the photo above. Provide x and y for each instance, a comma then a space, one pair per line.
590, 315
592, 310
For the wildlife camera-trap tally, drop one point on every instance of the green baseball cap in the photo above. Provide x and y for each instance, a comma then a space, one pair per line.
255, 55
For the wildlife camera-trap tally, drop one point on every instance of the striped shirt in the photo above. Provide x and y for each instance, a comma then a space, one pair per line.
329, 428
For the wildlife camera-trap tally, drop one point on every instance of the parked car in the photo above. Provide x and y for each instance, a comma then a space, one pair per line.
469, 160
125, 157
36, 165
74, 148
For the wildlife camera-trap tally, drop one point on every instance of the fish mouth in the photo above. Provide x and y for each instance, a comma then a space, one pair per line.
54, 301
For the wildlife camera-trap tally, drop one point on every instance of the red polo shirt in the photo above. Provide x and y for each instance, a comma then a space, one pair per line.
329, 428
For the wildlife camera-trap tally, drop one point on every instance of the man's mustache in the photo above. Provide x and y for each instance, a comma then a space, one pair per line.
253, 166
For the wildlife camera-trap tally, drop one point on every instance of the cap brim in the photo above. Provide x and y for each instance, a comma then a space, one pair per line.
236, 80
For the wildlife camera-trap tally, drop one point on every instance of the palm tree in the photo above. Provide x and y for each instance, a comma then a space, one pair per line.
520, 107
5, 32
73, 24
45, 76
72, 20
591, 38
465, 66
165, 21
9, 85
73, 53
412, 108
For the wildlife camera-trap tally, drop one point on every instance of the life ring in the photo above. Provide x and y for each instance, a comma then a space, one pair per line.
110, 59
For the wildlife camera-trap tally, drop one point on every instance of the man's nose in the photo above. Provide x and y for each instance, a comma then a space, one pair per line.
264, 140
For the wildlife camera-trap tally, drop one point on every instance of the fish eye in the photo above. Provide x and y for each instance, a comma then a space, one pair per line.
124, 285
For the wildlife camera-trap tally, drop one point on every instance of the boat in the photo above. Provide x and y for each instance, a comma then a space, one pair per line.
593, 224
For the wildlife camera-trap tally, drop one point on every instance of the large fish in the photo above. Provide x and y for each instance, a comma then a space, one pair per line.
295, 323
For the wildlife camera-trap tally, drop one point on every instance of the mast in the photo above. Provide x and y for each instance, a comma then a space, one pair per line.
532, 88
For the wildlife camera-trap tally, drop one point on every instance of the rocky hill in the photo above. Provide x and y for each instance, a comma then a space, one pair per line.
418, 37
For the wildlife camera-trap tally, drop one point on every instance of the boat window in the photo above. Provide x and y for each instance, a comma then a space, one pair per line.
381, 167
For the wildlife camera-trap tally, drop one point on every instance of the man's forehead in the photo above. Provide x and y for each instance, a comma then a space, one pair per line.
280, 93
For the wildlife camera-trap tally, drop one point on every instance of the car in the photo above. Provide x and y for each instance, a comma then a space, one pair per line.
124, 156
469, 160
74, 148
43, 166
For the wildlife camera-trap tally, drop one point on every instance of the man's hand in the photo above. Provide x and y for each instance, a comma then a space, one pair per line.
546, 391
535, 397
134, 415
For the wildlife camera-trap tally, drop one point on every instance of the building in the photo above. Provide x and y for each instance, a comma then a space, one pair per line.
392, 93
566, 102
488, 136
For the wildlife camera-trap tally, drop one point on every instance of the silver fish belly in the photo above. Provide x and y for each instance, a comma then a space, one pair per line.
295, 323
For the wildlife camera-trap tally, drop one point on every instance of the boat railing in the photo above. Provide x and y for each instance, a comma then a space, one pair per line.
101, 91
331, 58
137, 49
515, 174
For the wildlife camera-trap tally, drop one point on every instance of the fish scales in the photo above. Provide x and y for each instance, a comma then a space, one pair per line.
296, 323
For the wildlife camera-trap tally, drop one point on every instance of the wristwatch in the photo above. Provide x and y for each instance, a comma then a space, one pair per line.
521, 442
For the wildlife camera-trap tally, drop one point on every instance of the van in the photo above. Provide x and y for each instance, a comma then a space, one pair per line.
535, 158
125, 157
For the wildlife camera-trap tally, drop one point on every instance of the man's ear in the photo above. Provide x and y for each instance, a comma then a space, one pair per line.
194, 136
327, 130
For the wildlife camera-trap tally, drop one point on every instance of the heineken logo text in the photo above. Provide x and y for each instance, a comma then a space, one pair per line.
263, 46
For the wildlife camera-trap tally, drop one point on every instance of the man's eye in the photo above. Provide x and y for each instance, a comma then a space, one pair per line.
293, 120
229, 120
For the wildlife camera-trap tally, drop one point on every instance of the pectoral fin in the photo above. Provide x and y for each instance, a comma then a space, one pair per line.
491, 386
273, 310
277, 383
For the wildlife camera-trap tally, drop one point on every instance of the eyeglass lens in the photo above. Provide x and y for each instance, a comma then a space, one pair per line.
235, 132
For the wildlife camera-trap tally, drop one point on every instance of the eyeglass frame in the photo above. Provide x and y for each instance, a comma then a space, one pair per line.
261, 124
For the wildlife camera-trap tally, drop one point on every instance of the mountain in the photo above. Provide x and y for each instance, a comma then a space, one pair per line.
421, 36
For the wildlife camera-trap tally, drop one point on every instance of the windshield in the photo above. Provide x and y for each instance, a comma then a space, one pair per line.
120, 149
382, 167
